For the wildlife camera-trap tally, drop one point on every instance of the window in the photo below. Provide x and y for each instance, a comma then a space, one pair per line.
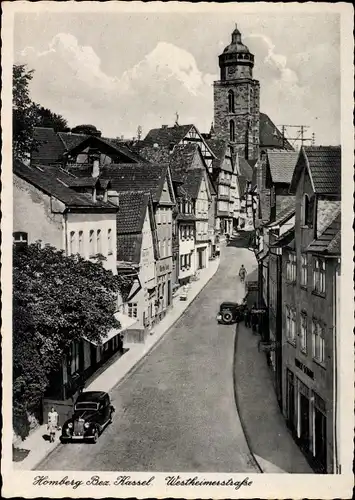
304, 274
132, 309
303, 332
232, 131
318, 341
20, 238
307, 210
290, 325
231, 101
72, 243
158, 216
109, 241
185, 261
91, 243
98, 241
291, 267
319, 275
80, 243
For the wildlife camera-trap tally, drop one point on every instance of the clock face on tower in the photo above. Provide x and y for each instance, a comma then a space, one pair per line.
231, 70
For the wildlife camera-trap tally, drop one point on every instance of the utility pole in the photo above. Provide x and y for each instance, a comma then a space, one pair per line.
300, 135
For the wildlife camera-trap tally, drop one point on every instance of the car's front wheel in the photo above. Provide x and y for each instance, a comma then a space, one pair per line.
95, 435
227, 316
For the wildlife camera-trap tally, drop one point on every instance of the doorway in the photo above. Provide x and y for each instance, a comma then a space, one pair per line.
304, 422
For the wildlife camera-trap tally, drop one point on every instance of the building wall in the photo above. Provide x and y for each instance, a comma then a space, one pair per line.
317, 378
32, 213
186, 247
87, 222
246, 111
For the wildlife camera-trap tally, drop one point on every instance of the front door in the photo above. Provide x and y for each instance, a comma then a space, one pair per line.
200, 258
320, 425
304, 417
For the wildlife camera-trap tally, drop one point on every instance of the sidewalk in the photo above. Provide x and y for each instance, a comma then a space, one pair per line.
263, 423
119, 370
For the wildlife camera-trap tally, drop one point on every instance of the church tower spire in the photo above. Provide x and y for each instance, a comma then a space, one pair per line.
237, 97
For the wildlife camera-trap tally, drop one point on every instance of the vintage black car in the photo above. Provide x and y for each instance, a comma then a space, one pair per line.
230, 312
92, 413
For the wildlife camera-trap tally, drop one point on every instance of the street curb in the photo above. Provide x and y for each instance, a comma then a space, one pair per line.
236, 399
139, 362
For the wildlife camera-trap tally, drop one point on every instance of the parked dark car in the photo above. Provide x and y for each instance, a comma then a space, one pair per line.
92, 413
230, 312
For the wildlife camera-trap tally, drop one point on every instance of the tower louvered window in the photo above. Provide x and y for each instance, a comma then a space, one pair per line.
232, 131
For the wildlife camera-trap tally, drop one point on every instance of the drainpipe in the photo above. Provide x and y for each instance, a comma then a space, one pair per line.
336, 402
66, 232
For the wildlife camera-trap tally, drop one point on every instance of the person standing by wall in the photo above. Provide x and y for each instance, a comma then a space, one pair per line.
52, 425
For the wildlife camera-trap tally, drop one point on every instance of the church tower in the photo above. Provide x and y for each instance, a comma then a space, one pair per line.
237, 99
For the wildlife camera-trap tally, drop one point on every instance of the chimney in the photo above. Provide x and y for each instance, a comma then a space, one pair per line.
95, 168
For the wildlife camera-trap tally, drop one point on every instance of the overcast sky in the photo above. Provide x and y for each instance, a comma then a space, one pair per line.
121, 70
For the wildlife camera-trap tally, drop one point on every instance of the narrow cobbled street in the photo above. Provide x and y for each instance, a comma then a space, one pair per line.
177, 410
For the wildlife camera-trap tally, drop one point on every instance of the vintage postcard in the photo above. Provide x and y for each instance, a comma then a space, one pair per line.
177, 306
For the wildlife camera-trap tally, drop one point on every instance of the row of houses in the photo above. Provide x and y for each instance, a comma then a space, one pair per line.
156, 210
298, 247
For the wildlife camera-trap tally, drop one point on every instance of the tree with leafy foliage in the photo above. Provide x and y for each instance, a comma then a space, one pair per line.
46, 118
24, 112
56, 300
87, 130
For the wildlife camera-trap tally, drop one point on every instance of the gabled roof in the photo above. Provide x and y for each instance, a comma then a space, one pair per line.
50, 145
329, 241
192, 182
324, 167
220, 148
137, 177
286, 240
282, 165
181, 159
129, 247
132, 210
48, 148
287, 213
270, 136
56, 183
166, 136
245, 169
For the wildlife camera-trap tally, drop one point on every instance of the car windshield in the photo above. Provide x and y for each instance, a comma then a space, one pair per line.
85, 406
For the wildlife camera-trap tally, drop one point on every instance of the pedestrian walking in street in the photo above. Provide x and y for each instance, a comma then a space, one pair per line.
52, 424
242, 273
247, 317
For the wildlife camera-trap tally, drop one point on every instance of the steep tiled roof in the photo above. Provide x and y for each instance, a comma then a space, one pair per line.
192, 182
181, 159
165, 136
48, 146
132, 210
287, 239
245, 169
327, 211
325, 166
129, 247
285, 214
270, 136
71, 140
282, 165
136, 177
329, 240
83, 182
55, 183
150, 153
219, 148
